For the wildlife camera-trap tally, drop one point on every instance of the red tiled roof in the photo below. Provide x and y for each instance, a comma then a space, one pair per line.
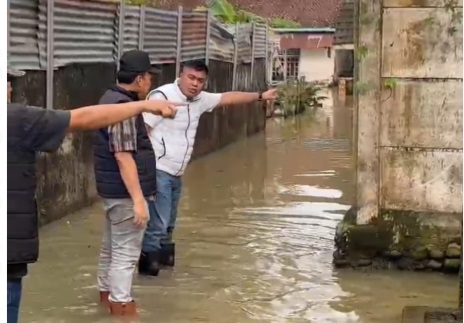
310, 13
305, 41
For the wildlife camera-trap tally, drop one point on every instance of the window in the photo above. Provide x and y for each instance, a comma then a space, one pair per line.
285, 62
293, 64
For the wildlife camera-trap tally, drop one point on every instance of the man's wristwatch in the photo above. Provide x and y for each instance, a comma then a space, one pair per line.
260, 96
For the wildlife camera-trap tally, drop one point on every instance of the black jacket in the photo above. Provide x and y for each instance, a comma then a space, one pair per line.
107, 175
30, 130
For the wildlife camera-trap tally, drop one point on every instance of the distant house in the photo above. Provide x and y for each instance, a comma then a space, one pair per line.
344, 41
303, 53
306, 51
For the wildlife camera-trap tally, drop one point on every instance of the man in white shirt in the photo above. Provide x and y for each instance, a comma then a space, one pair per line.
173, 142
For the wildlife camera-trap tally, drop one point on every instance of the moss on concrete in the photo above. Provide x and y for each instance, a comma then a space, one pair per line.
397, 235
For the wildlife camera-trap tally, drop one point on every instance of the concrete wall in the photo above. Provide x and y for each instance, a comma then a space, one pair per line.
408, 135
66, 178
316, 65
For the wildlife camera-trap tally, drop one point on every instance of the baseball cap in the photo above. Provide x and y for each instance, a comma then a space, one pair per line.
15, 73
136, 61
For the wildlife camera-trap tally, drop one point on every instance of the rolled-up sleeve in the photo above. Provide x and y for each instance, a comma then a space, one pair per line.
123, 136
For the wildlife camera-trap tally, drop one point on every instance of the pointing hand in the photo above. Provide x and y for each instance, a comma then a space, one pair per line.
270, 94
166, 109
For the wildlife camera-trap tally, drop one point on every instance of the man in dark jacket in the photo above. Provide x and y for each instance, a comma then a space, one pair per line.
32, 130
125, 172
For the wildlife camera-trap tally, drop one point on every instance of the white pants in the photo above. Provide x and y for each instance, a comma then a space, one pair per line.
120, 250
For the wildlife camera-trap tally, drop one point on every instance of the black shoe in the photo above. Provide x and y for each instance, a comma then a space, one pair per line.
168, 254
149, 263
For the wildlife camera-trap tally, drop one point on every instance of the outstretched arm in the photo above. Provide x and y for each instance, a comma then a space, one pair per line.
95, 117
232, 98
44, 129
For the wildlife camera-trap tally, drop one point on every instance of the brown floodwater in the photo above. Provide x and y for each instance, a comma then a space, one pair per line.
254, 242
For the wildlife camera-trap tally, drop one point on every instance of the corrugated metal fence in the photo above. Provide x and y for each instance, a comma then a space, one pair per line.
46, 34
89, 31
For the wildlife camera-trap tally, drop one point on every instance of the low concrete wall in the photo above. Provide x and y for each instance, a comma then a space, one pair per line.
408, 137
66, 179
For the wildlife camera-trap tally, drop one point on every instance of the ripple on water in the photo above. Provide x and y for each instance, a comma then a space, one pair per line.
309, 190
308, 210
323, 173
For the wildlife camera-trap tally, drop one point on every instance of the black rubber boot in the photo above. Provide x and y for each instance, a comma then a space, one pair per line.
149, 263
168, 254
170, 232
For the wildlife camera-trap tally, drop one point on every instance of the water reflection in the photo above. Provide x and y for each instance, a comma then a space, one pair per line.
255, 242
309, 190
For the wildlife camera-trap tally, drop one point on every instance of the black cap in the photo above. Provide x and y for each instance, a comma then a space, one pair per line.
136, 61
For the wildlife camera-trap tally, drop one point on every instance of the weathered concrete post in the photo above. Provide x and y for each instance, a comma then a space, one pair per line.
408, 137
368, 50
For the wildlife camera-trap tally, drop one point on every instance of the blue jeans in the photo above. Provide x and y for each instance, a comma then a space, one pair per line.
14, 288
163, 211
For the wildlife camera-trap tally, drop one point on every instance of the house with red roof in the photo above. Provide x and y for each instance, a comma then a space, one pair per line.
308, 51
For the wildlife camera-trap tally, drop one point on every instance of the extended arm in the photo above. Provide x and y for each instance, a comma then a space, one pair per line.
212, 100
99, 116
45, 129
232, 98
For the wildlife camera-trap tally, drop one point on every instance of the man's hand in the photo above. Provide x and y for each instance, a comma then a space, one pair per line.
141, 214
163, 108
270, 94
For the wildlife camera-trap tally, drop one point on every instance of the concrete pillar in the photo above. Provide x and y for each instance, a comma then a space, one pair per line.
367, 87
407, 137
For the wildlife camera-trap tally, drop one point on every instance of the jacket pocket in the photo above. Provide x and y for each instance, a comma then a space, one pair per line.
164, 149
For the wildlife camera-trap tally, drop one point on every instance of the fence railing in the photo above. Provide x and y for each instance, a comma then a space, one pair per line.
47, 34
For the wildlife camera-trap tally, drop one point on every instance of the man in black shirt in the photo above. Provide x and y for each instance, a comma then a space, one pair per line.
125, 173
32, 130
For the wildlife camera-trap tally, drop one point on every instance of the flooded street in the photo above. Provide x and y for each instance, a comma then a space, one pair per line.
254, 242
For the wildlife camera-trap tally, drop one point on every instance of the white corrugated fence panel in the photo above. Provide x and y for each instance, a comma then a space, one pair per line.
131, 27
24, 48
221, 43
244, 43
194, 26
260, 41
84, 32
160, 37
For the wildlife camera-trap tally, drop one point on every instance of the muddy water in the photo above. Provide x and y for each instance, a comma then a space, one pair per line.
255, 242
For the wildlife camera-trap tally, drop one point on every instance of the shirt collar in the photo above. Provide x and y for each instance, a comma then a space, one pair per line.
134, 96
179, 92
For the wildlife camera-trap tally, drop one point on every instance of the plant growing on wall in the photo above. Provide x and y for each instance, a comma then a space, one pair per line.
283, 23
228, 13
